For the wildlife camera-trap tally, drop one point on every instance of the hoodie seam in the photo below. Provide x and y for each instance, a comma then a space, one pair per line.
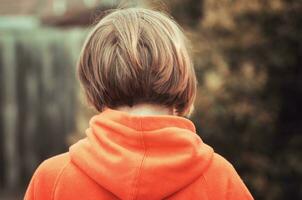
205, 178
206, 186
57, 180
136, 179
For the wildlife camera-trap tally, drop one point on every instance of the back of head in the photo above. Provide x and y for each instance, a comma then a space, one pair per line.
137, 55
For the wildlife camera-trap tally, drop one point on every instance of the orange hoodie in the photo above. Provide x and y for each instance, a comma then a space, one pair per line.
134, 157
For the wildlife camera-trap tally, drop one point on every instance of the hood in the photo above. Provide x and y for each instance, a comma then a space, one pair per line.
141, 157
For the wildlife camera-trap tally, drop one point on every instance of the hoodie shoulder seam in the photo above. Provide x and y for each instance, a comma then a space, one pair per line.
205, 179
206, 184
58, 179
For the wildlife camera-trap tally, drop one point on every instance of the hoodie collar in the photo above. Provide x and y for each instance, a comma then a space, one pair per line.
146, 122
129, 154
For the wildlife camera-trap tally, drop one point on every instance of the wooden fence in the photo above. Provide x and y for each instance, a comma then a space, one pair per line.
38, 97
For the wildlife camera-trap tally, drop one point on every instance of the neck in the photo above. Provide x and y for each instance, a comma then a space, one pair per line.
146, 109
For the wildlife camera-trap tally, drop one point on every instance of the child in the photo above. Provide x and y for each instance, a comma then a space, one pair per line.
136, 71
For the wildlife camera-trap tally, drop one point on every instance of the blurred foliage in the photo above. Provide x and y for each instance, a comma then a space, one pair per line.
248, 61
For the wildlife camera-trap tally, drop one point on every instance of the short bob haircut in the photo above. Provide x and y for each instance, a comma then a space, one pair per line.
138, 55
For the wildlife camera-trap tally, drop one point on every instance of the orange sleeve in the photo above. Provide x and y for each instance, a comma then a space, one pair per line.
30, 191
42, 184
236, 189
223, 181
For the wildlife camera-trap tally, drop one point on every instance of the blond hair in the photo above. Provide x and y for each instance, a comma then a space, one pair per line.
137, 55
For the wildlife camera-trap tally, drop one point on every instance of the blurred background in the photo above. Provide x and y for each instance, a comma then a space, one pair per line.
248, 59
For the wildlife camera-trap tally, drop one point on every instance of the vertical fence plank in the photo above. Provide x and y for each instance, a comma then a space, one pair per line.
10, 113
38, 98
2, 161
28, 97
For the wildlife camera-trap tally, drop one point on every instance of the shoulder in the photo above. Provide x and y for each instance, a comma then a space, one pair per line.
220, 171
222, 176
46, 176
221, 164
52, 167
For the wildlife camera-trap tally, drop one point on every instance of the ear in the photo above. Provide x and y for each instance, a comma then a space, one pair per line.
174, 111
190, 111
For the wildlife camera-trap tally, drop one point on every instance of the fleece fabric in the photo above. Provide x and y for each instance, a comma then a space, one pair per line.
137, 157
